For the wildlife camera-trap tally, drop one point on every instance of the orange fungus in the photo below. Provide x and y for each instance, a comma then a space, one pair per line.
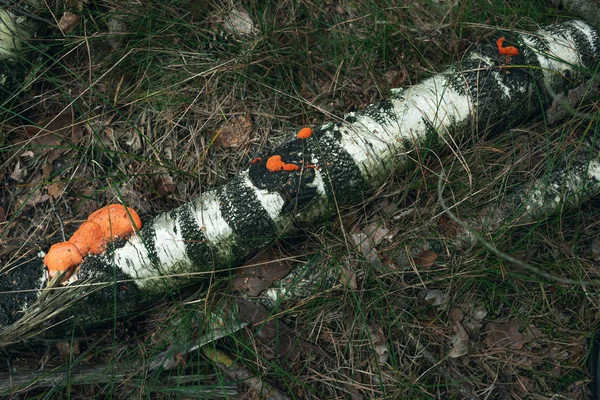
89, 238
305, 133
274, 163
64, 256
116, 221
508, 51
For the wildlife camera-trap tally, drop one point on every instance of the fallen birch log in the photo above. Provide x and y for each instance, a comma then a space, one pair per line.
309, 178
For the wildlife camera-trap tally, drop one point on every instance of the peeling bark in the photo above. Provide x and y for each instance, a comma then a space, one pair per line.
482, 94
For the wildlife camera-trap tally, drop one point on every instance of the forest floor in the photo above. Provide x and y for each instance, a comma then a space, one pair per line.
151, 103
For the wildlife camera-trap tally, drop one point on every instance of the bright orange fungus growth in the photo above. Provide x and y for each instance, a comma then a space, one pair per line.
256, 160
305, 133
274, 163
116, 221
508, 51
107, 223
61, 257
89, 238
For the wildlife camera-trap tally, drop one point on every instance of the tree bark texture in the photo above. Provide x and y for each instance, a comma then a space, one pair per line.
341, 163
16, 27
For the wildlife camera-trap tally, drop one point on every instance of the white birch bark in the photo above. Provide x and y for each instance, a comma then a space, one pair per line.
16, 27
221, 228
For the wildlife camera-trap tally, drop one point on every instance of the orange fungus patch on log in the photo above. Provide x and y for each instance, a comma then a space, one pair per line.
64, 256
508, 51
305, 133
89, 238
116, 221
274, 163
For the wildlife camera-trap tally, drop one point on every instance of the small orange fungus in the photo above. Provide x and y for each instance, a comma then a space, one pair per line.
274, 163
508, 51
64, 256
305, 133
116, 221
256, 160
89, 238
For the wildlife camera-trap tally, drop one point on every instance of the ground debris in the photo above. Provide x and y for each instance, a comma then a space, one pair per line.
511, 334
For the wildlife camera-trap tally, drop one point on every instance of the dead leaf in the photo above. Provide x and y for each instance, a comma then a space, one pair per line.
55, 190
523, 385
460, 342
2, 214
163, 184
260, 272
238, 22
32, 200
133, 140
376, 232
437, 297
389, 264
235, 132
76, 4
512, 334
348, 279
68, 349
269, 330
366, 247
380, 344
448, 227
46, 170
19, 173
425, 259
473, 323
68, 22
396, 78
306, 93
456, 315
47, 136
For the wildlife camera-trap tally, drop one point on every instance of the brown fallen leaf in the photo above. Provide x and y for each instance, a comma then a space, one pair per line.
437, 297
69, 349
235, 132
523, 385
460, 340
512, 334
260, 272
276, 333
55, 190
47, 136
376, 232
380, 344
163, 184
473, 322
238, 21
425, 259
448, 227
68, 22
366, 247
396, 78
2, 214
348, 279
19, 172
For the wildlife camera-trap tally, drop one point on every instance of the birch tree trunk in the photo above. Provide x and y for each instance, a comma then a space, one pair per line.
341, 163
16, 26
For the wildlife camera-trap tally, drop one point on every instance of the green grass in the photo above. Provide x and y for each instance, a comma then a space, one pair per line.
149, 101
